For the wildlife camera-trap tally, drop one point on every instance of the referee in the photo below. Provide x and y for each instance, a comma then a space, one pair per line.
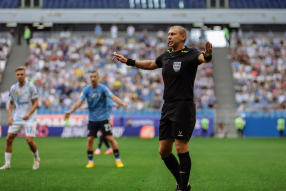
179, 67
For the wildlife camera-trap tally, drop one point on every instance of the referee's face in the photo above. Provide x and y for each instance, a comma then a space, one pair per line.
175, 38
94, 78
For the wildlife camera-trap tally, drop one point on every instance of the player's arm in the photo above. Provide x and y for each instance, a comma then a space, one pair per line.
74, 107
119, 102
206, 55
34, 107
144, 64
11, 106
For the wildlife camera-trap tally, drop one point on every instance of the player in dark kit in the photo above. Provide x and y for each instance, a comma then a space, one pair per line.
179, 66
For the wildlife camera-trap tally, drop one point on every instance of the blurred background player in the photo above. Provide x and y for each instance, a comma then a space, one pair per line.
24, 95
110, 104
281, 126
96, 95
239, 123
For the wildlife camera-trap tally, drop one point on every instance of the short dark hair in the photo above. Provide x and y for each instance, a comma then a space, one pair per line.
93, 71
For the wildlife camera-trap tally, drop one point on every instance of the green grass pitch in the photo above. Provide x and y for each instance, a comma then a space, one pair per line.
217, 165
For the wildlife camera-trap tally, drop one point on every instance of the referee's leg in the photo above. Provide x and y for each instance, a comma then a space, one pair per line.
169, 159
185, 162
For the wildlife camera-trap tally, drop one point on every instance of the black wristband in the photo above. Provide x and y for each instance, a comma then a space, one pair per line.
208, 58
130, 62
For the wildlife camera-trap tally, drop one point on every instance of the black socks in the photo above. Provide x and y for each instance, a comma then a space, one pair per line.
185, 169
172, 164
90, 156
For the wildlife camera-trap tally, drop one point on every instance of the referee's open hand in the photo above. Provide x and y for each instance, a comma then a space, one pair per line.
120, 58
208, 49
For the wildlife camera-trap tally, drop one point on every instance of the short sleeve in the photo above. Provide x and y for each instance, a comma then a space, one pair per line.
159, 62
196, 54
83, 94
11, 98
110, 102
107, 92
34, 92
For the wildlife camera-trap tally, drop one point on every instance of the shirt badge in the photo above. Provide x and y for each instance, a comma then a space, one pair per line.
177, 66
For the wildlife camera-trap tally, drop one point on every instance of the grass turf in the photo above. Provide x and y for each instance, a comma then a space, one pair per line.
218, 165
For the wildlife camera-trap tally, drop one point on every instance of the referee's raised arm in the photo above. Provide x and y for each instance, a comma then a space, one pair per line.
145, 64
206, 55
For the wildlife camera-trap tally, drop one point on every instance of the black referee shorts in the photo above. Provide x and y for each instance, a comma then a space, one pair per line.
94, 126
178, 120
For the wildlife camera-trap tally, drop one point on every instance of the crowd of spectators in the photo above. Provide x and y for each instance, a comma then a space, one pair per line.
259, 72
5, 45
59, 68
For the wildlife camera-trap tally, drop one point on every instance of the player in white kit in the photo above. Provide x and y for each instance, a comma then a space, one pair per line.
24, 95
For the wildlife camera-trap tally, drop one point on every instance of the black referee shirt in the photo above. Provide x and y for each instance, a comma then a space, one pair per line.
179, 73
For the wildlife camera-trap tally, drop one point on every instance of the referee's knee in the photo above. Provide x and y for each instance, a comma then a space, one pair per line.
164, 153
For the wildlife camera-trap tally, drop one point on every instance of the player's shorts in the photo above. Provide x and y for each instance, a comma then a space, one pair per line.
178, 120
30, 128
94, 126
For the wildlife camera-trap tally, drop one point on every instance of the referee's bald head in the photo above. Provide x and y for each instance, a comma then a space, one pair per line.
181, 30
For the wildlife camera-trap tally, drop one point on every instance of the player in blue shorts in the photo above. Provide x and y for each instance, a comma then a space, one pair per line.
102, 139
96, 95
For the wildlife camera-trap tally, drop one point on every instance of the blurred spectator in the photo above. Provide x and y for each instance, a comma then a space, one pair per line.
251, 34
160, 35
270, 34
27, 34
221, 131
98, 30
12, 32
130, 30
114, 31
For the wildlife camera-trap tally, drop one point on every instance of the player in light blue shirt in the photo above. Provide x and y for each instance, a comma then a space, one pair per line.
96, 95
25, 97
110, 104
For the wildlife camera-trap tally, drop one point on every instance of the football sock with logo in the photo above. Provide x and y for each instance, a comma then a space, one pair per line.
172, 164
116, 154
185, 169
90, 156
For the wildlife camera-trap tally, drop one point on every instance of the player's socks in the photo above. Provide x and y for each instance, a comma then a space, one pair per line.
172, 164
90, 156
36, 155
116, 154
185, 168
8, 157
106, 143
118, 162
100, 142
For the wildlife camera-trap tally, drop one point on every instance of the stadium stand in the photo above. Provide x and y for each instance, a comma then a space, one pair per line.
59, 66
5, 46
9, 4
257, 4
259, 73
111, 4
159, 4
